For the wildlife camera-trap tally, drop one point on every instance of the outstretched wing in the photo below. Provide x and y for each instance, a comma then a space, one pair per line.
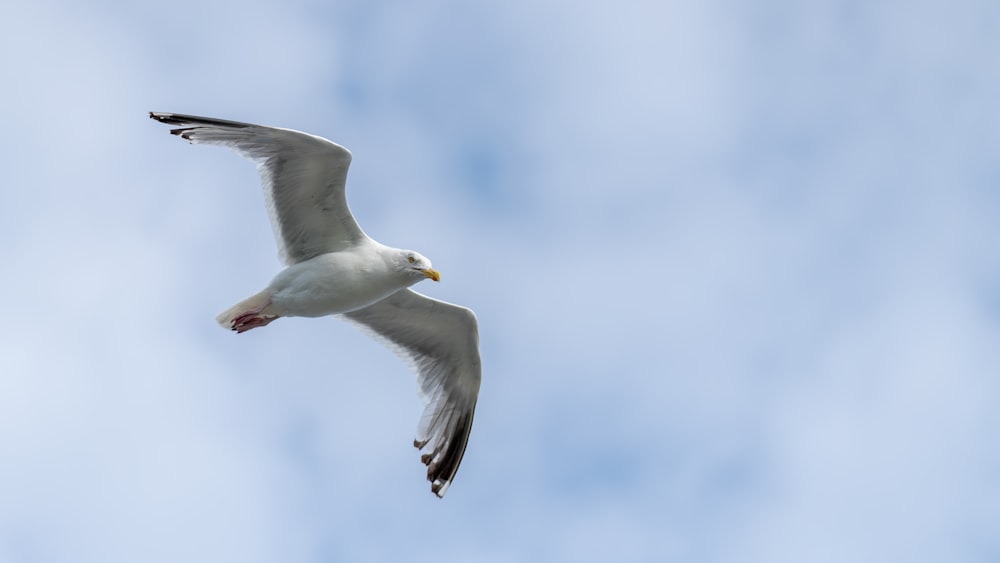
303, 177
441, 342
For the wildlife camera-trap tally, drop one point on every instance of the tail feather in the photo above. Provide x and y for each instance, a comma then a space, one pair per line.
255, 305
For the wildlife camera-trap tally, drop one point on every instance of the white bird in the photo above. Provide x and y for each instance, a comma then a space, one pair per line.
334, 268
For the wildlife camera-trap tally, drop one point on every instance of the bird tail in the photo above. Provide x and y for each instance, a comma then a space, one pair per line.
255, 305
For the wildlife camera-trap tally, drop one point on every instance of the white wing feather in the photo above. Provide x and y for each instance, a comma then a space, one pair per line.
303, 176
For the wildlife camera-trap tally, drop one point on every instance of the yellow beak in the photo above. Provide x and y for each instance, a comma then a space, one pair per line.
432, 274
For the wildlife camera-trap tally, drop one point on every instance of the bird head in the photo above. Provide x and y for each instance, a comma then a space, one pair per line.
418, 266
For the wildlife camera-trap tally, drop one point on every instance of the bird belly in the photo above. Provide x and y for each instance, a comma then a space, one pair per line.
330, 284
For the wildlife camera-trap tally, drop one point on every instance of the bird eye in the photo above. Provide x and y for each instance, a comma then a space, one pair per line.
411, 259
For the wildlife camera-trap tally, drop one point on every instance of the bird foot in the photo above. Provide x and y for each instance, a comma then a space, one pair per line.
249, 320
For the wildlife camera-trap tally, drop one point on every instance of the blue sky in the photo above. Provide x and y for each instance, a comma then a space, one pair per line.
736, 265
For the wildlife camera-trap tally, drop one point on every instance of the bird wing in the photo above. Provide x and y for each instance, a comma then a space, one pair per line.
441, 342
303, 178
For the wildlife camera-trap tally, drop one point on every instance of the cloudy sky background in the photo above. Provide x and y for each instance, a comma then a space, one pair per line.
736, 265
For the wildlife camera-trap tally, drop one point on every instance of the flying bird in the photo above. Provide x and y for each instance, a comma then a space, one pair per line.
334, 268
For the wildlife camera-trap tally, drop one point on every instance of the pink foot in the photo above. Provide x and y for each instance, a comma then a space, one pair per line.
249, 320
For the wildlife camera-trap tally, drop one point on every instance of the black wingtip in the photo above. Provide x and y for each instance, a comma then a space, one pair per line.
436, 489
163, 117
197, 120
441, 472
177, 119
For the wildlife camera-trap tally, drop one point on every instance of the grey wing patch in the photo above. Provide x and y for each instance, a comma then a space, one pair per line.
441, 343
304, 194
303, 176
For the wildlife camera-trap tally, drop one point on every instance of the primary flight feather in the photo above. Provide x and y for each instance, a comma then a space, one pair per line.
334, 268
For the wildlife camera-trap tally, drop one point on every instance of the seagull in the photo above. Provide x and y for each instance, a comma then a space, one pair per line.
334, 268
